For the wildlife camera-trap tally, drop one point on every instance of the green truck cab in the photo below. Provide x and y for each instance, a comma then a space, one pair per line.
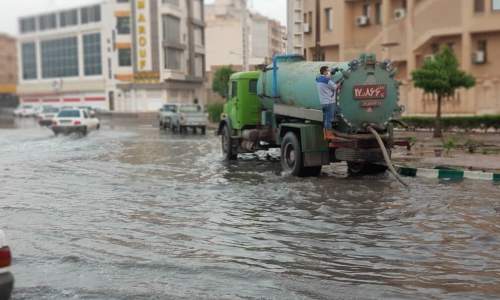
278, 107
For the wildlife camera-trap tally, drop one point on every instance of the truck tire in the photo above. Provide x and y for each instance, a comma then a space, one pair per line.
182, 129
194, 129
203, 130
291, 156
363, 168
227, 145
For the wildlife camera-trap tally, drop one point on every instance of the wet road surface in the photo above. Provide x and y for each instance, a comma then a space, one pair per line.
132, 213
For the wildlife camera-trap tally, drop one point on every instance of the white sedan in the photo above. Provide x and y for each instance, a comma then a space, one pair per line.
74, 121
6, 278
25, 110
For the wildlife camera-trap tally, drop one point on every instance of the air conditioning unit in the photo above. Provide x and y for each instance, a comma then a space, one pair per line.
399, 13
307, 28
362, 21
479, 57
428, 56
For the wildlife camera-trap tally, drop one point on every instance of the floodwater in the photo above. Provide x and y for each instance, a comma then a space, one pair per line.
130, 212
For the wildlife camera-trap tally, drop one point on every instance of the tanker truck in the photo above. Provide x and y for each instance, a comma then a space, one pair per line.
279, 107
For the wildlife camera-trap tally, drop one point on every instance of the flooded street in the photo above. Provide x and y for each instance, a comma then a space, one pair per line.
130, 212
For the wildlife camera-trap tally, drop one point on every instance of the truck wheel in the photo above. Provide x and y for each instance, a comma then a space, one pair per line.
203, 130
195, 131
363, 168
183, 130
291, 156
227, 145
161, 125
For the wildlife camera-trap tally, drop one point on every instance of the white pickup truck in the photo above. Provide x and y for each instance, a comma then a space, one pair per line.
180, 117
6, 278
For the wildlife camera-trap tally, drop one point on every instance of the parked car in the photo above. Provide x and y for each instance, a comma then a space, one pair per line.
46, 115
74, 121
6, 277
24, 110
89, 109
165, 115
189, 116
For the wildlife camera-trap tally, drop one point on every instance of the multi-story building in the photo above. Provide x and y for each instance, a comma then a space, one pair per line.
8, 75
226, 36
295, 27
407, 32
122, 55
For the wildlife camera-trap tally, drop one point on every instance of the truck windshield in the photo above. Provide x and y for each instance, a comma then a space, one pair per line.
190, 108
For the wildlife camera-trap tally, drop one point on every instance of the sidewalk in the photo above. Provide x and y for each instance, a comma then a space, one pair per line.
422, 155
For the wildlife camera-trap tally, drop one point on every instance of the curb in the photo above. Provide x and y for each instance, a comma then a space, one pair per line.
448, 174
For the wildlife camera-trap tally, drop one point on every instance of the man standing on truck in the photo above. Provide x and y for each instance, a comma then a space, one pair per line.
327, 90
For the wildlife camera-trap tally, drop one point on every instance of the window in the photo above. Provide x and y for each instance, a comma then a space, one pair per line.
28, 53
90, 14
198, 36
123, 25
234, 89
478, 6
59, 57
47, 22
92, 54
85, 115
366, 9
482, 45
329, 19
434, 48
252, 86
69, 113
171, 2
197, 10
28, 25
198, 65
171, 29
173, 58
124, 57
495, 5
68, 18
378, 13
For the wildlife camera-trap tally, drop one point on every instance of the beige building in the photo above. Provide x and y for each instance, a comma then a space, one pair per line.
226, 36
8, 65
407, 32
118, 55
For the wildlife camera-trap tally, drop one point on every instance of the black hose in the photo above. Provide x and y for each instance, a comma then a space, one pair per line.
386, 156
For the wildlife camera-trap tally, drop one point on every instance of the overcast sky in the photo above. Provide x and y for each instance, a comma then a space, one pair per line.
11, 10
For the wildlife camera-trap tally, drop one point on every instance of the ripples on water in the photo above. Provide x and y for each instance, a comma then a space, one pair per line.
128, 213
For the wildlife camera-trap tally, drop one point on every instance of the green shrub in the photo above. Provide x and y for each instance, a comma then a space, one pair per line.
473, 122
449, 144
214, 111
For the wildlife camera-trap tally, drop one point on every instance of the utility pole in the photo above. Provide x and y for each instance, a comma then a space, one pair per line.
245, 35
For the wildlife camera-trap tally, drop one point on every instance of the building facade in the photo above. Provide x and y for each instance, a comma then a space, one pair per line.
295, 27
121, 55
408, 32
8, 65
226, 36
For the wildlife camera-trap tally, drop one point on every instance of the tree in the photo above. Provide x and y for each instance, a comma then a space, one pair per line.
441, 76
221, 80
